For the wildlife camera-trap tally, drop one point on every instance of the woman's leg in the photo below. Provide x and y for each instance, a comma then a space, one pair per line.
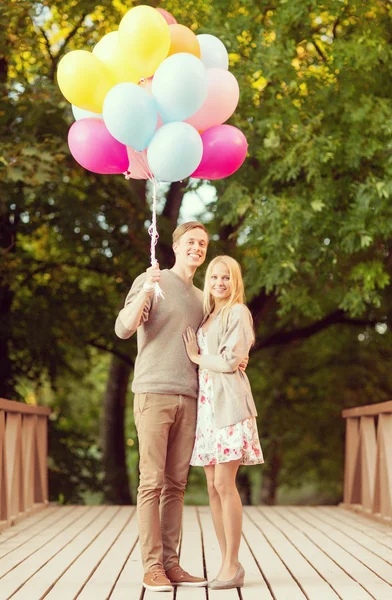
216, 509
224, 483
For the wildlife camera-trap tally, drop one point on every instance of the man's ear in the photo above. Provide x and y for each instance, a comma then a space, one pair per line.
175, 246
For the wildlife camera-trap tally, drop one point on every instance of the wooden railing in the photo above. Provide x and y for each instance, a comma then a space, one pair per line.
368, 459
23, 460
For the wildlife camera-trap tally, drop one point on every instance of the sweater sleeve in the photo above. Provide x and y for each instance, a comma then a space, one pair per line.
234, 346
119, 328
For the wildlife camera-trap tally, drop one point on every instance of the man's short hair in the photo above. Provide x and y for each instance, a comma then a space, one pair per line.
184, 227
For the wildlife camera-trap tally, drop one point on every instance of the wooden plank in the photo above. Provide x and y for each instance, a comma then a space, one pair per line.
129, 584
84, 529
212, 554
19, 553
341, 583
375, 563
379, 531
371, 582
191, 553
255, 586
280, 581
368, 410
104, 578
362, 538
27, 523
19, 407
27, 534
307, 577
73, 580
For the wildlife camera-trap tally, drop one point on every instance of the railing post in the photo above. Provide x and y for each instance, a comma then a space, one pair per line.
368, 444
23, 460
4, 506
368, 459
351, 483
383, 481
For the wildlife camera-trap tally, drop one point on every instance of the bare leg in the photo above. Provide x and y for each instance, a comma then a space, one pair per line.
216, 509
224, 482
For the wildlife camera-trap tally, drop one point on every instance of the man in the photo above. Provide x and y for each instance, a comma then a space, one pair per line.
165, 386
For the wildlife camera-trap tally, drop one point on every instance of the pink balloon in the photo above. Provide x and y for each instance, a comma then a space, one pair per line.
221, 102
138, 167
224, 151
170, 20
95, 149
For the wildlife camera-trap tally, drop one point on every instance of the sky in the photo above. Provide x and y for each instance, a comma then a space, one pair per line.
195, 203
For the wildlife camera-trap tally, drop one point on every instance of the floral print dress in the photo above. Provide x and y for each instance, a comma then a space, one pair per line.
212, 445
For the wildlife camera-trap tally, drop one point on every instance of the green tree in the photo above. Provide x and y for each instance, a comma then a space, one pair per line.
308, 215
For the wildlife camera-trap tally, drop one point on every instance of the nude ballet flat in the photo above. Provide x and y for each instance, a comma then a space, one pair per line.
236, 582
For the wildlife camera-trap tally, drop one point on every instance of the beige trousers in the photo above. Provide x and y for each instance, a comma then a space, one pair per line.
166, 427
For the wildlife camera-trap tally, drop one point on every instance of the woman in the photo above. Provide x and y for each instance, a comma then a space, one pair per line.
226, 431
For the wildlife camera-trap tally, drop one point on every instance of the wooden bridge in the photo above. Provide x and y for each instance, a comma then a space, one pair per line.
289, 553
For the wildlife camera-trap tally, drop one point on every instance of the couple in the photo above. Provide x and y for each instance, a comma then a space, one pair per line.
193, 403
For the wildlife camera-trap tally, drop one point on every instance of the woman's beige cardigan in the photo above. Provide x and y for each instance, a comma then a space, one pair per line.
228, 344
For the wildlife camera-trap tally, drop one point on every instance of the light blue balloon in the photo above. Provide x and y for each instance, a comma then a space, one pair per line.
130, 114
180, 87
175, 151
80, 113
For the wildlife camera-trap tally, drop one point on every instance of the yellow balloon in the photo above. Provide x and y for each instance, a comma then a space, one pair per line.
109, 52
84, 80
144, 38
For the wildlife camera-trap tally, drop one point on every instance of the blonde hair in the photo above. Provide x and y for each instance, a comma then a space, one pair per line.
184, 227
237, 295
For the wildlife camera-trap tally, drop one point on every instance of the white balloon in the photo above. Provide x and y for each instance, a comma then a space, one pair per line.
80, 113
175, 151
213, 52
180, 87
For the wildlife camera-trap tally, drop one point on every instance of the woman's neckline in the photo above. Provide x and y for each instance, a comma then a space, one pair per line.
212, 319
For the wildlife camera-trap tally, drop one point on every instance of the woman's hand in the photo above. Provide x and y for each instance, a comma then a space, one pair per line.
191, 346
244, 364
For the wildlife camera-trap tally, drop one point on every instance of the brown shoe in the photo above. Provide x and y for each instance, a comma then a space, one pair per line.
178, 576
155, 580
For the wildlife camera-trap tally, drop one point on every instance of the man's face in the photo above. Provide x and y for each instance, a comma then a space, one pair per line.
191, 248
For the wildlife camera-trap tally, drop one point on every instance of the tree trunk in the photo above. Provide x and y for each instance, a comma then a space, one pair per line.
116, 482
270, 483
244, 487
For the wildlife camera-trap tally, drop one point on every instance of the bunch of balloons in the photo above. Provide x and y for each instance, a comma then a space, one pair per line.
150, 101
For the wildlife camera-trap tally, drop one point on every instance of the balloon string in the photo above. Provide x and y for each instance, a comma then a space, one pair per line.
152, 230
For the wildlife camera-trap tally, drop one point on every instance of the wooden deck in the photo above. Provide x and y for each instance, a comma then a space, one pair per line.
289, 553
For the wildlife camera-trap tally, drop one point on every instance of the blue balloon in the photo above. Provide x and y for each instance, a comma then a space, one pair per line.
80, 113
130, 114
175, 152
180, 87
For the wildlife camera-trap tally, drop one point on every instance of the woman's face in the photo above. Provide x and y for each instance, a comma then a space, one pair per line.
220, 284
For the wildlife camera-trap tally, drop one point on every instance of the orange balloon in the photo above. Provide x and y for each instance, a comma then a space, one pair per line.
183, 40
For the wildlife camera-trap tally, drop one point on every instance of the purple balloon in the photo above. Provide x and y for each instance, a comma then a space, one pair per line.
224, 151
95, 149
